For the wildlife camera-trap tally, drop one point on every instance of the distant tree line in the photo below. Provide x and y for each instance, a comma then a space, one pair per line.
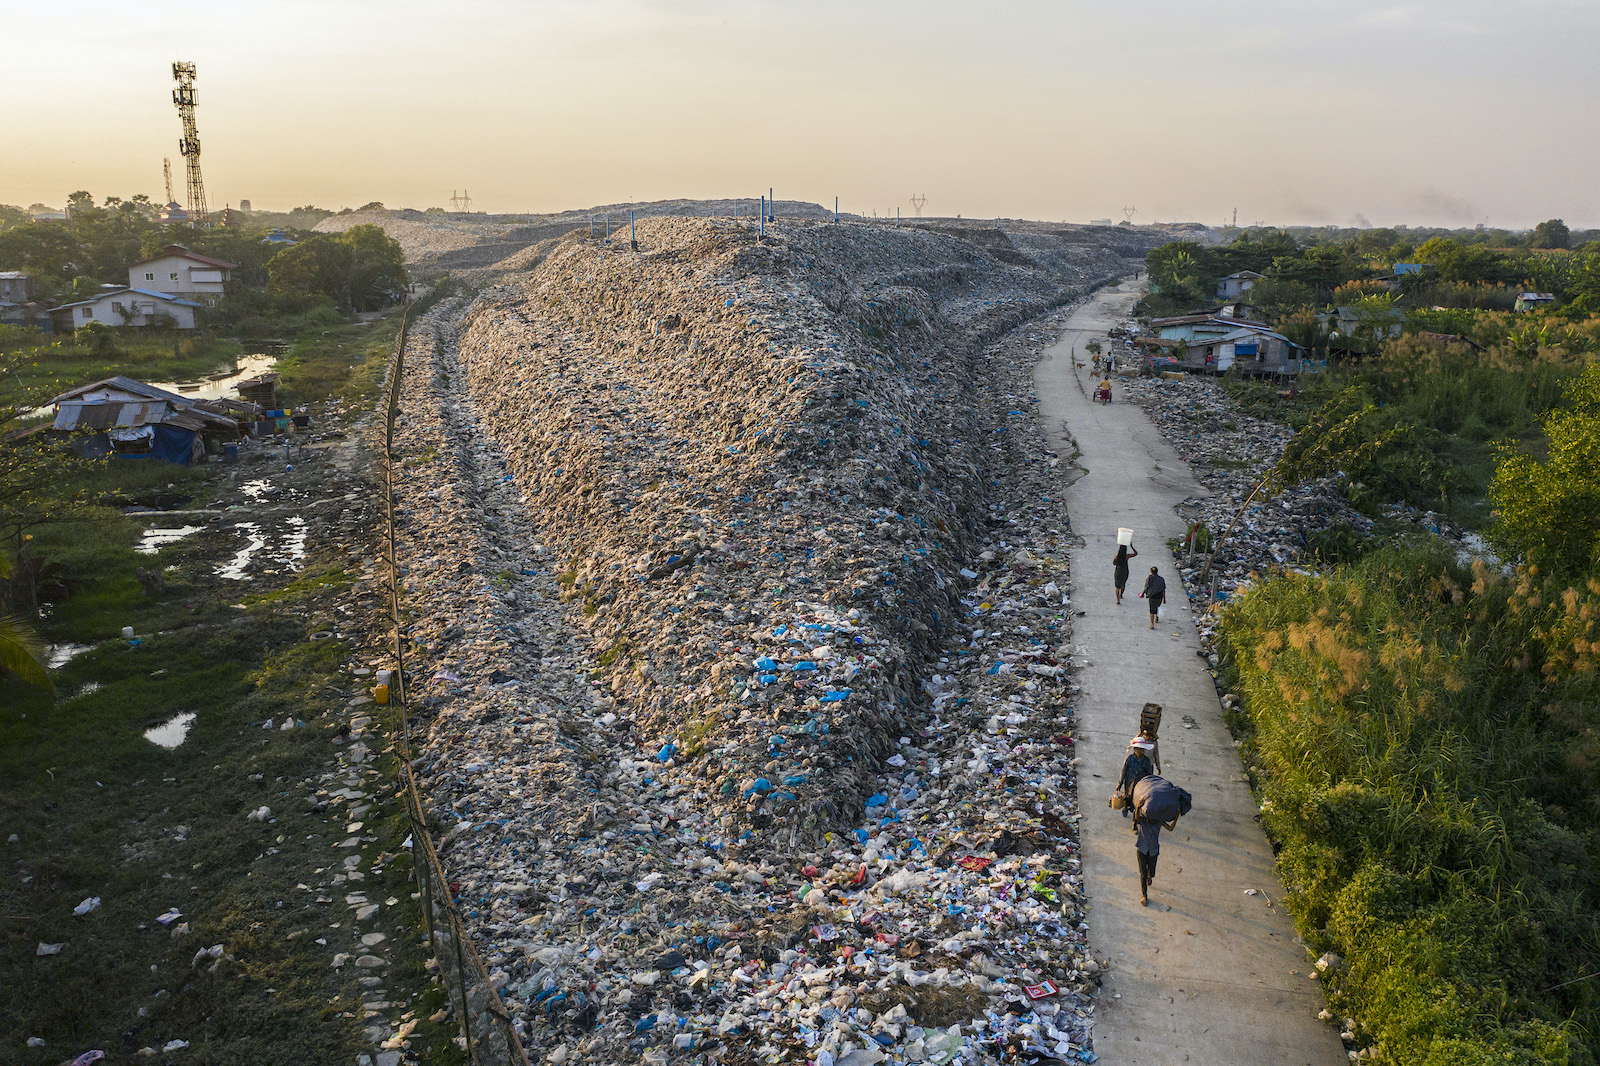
70, 259
1459, 270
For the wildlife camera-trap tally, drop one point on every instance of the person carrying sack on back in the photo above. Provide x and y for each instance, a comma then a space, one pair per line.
1157, 805
1155, 590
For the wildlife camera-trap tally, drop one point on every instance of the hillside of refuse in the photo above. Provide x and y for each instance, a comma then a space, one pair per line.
744, 610
460, 241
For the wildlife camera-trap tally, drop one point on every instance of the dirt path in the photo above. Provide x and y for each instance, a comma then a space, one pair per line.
1208, 973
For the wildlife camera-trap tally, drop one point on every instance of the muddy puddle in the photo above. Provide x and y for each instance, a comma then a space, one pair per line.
59, 655
171, 733
220, 386
266, 551
154, 539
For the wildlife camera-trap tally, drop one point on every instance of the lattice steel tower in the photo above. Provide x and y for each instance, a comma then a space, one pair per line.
189, 145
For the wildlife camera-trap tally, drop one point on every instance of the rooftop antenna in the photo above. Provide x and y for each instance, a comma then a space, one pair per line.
460, 201
1127, 213
183, 97
166, 172
917, 200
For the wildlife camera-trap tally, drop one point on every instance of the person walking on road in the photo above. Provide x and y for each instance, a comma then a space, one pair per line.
1135, 768
1148, 847
1155, 590
1120, 573
1157, 805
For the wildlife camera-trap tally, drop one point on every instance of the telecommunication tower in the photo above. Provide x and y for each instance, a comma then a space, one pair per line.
189, 145
917, 201
460, 201
166, 173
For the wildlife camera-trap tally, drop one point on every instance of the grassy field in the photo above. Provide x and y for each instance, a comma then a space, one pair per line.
63, 363
1459, 409
328, 357
99, 811
344, 363
1423, 741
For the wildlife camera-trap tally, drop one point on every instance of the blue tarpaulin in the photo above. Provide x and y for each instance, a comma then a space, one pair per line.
172, 444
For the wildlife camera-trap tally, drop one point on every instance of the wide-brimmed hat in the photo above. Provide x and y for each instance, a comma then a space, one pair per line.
1141, 742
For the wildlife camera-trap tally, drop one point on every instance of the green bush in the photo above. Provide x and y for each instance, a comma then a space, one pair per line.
1426, 742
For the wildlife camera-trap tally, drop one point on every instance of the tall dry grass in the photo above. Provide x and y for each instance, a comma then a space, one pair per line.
1426, 742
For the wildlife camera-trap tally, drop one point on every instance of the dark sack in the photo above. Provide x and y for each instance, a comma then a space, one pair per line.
1155, 799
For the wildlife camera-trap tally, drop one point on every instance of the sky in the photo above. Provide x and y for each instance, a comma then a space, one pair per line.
1437, 112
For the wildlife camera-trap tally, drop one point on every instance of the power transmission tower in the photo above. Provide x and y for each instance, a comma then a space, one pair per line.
460, 201
166, 173
1127, 213
917, 200
183, 97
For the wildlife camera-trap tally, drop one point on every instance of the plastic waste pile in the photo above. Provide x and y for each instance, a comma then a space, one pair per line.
1229, 451
745, 654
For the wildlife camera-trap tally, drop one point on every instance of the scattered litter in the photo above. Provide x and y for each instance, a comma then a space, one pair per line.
92, 903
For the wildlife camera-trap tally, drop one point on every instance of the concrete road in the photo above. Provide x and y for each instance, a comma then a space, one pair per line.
1207, 974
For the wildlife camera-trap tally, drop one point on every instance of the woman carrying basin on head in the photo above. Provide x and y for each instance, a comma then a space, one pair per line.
1119, 564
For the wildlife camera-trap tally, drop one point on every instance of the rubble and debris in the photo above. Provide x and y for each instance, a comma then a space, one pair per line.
738, 568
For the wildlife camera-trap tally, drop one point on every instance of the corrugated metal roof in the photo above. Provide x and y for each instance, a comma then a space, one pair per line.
72, 415
179, 250
126, 384
166, 297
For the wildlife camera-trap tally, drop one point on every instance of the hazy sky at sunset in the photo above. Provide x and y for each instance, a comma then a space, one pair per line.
1294, 112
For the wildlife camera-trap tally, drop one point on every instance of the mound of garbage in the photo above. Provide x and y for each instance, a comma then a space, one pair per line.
421, 237
742, 593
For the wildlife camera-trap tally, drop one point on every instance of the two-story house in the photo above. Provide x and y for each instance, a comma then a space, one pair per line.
180, 272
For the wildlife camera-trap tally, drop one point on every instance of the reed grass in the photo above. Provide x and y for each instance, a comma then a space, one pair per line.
1424, 742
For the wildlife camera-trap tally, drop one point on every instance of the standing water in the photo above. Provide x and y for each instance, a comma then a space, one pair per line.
170, 734
154, 539
235, 570
221, 386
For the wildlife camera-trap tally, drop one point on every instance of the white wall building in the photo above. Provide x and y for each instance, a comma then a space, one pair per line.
1237, 284
182, 273
131, 307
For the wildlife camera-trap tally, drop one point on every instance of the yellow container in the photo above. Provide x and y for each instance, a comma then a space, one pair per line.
381, 694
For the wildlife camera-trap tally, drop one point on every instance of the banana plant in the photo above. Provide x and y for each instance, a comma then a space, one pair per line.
21, 653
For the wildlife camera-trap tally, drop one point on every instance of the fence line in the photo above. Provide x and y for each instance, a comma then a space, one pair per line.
486, 1025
